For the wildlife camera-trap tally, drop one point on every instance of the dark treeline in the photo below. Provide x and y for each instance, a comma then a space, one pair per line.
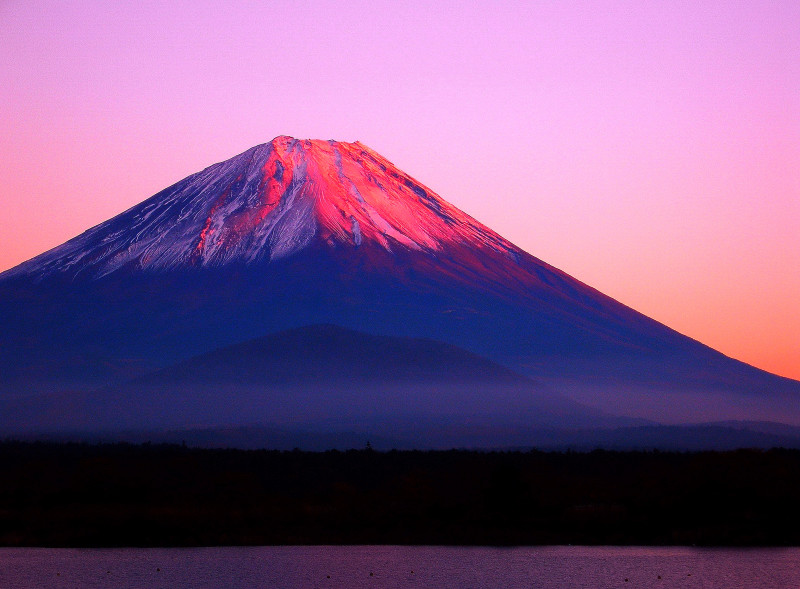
166, 495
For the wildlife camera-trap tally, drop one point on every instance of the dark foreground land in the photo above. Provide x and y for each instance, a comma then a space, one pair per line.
159, 495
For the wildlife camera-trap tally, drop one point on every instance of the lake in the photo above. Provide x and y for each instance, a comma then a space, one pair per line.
377, 567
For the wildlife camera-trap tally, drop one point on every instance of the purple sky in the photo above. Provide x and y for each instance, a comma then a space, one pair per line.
650, 149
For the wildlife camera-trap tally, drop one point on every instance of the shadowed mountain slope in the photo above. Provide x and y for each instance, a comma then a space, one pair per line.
321, 377
298, 232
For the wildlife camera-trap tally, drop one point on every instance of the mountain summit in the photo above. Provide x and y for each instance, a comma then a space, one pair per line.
268, 203
294, 233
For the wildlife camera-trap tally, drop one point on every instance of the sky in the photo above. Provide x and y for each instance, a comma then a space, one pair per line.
650, 149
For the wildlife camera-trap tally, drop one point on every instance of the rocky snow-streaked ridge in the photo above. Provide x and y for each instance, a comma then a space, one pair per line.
268, 203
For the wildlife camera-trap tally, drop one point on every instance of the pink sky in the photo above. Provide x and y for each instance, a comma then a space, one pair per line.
649, 149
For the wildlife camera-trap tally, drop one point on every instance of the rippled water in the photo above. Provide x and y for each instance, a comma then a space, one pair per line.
301, 567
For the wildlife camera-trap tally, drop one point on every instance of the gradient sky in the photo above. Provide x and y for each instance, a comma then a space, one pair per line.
650, 149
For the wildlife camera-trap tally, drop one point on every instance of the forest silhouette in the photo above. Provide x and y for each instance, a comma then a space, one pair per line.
171, 495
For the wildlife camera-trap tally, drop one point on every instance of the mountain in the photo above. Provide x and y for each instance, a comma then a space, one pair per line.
319, 378
294, 233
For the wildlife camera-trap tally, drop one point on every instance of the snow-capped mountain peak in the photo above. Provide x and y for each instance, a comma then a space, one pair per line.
266, 204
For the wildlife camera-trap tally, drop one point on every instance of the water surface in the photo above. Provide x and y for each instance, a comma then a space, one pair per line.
377, 567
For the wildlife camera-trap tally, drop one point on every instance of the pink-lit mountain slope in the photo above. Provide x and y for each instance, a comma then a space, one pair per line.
286, 196
298, 232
